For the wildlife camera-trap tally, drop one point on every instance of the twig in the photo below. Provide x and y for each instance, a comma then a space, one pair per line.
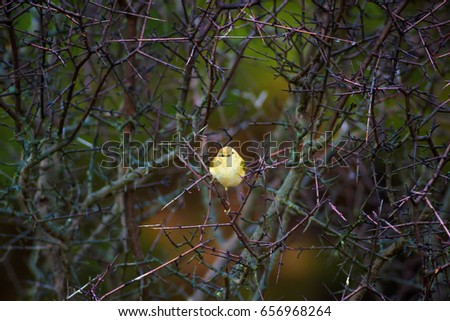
140, 277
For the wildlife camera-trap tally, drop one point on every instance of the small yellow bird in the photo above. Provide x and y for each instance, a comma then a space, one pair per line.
228, 167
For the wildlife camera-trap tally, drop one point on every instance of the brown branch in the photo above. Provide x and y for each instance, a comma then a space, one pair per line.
16, 65
68, 100
125, 198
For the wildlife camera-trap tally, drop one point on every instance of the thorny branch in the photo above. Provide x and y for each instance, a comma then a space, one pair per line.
110, 114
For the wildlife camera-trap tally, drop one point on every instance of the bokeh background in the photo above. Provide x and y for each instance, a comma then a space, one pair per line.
111, 111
